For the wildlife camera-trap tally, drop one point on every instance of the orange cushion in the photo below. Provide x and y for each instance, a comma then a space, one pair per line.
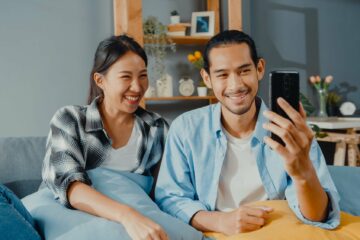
283, 224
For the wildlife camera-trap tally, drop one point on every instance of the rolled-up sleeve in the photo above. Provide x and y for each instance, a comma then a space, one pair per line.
175, 192
333, 215
64, 162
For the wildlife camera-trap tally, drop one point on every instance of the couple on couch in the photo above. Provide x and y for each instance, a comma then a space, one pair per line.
215, 159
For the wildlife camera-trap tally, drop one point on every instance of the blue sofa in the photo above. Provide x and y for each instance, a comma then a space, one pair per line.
21, 161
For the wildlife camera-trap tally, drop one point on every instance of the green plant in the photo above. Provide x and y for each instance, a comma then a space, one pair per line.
309, 109
333, 98
174, 13
156, 43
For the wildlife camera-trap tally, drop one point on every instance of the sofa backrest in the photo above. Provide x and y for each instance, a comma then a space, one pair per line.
20, 163
347, 180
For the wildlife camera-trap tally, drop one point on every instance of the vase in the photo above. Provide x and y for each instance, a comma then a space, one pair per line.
202, 91
322, 103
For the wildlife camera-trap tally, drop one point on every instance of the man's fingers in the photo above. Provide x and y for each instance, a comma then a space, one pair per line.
247, 227
254, 220
258, 211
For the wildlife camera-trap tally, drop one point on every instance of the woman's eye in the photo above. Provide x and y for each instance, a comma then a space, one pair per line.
126, 77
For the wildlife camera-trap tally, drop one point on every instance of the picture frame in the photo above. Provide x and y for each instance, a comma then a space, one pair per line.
203, 23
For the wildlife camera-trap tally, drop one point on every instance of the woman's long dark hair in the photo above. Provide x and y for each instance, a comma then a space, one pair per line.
107, 53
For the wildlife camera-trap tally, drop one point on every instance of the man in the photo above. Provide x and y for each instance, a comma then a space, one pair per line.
219, 158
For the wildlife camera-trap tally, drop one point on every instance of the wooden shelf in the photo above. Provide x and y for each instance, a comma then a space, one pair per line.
201, 40
210, 99
180, 98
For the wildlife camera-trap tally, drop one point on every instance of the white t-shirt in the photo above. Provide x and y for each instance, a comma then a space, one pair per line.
240, 181
125, 158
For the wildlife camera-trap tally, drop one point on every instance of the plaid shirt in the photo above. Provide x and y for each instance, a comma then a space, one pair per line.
78, 142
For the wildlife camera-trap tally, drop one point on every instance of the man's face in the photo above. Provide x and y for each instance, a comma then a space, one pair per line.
233, 76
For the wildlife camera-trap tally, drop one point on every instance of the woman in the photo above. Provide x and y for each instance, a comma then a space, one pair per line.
15, 221
112, 132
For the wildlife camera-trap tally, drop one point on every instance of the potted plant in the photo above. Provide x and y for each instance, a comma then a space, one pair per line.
197, 60
333, 100
174, 17
156, 44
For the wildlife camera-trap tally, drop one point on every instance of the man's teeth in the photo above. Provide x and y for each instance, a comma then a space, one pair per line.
132, 98
238, 95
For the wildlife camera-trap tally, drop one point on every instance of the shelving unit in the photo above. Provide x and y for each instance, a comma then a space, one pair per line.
190, 40
128, 19
210, 99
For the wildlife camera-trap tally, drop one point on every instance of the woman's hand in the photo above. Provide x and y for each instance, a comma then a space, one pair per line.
140, 227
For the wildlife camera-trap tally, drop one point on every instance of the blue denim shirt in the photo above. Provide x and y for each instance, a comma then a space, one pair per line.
194, 154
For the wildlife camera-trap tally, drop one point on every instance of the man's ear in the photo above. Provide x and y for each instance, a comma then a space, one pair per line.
99, 80
206, 77
260, 69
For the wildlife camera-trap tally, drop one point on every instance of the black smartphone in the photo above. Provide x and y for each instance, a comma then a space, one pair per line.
283, 84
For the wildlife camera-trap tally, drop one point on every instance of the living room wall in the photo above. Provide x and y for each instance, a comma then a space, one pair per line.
47, 48
313, 37
46, 53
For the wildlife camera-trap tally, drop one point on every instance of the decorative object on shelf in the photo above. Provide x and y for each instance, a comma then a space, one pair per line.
203, 23
332, 104
202, 91
164, 86
322, 86
150, 92
197, 61
186, 86
156, 43
174, 17
347, 108
178, 29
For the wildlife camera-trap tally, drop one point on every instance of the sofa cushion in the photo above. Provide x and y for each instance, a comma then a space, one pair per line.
346, 180
57, 222
282, 224
20, 163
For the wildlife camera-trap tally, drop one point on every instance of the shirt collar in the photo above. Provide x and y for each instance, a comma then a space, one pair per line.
259, 131
94, 122
93, 118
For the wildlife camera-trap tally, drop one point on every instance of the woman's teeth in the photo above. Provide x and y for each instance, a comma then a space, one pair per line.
132, 98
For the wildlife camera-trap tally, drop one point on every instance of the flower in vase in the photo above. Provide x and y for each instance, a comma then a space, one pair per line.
321, 84
197, 60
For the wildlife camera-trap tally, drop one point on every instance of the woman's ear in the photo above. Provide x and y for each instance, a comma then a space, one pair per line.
260, 68
99, 80
206, 77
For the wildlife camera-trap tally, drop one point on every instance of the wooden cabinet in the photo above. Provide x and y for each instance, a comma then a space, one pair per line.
128, 19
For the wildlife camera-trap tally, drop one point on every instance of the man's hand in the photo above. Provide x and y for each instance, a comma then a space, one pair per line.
297, 137
243, 219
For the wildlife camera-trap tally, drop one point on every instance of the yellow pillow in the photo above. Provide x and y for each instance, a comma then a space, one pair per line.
284, 225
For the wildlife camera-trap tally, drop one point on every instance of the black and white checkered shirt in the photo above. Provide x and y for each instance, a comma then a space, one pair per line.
78, 142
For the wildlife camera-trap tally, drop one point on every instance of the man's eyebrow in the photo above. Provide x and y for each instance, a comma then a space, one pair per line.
244, 66
240, 67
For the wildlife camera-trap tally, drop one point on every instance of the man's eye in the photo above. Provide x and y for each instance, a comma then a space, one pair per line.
245, 71
222, 76
126, 77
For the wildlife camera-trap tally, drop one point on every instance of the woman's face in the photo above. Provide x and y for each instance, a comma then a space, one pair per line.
125, 83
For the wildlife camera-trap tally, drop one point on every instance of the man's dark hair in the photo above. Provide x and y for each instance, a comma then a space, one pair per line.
226, 38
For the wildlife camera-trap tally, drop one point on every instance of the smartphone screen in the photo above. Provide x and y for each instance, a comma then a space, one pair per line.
283, 84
